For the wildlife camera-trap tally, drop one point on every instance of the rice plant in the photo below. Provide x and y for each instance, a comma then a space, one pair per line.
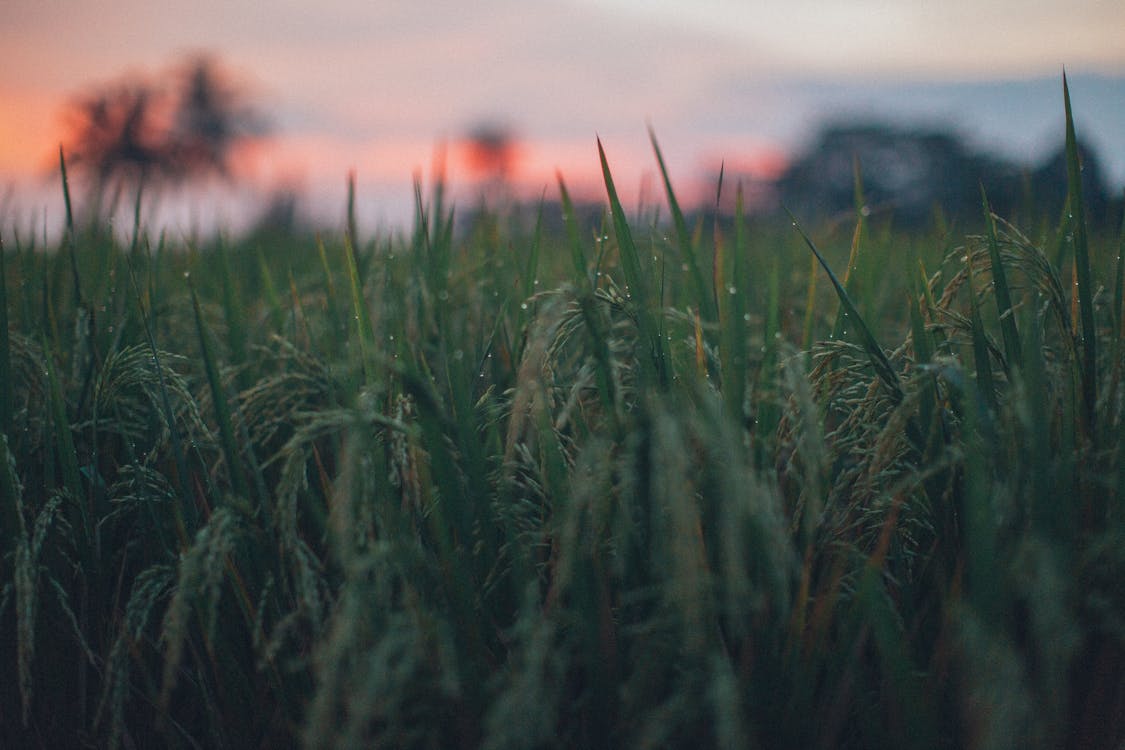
494, 488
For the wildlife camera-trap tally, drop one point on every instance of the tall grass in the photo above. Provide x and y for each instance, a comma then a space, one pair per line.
504, 489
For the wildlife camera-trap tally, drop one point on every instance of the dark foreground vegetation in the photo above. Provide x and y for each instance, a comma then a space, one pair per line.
661, 486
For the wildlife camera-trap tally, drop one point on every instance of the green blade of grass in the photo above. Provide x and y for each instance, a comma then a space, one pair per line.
981, 357
64, 441
1088, 331
875, 352
839, 327
270, 290
732, 305
630, 258
1119, 285
1012, 349
704, 300
185, 514
810, 307
71, 238
218, 395
12, 529
1049, 512
636, 280
851, 277
607, 383
232, 313
912, 719
923, 353
5, 349
352, 235
359, 311
570, 219
331, 308
531, 269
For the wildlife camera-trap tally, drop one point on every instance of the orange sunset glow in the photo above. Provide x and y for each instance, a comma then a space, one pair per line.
379, 88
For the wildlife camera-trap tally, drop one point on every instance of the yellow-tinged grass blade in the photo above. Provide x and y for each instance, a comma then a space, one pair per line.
700, 354
850, 277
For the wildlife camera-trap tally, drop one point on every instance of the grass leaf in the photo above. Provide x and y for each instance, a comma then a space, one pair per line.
874, 351
1086, 290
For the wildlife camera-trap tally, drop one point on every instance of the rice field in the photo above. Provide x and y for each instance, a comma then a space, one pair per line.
656, 482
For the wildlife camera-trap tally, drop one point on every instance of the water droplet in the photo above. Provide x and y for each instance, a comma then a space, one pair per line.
746, 317
523, 305
731, 290
443, 295
458, 355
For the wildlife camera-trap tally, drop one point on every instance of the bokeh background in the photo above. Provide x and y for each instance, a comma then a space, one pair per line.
385, 88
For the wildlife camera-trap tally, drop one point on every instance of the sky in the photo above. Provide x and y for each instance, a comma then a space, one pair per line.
378, 86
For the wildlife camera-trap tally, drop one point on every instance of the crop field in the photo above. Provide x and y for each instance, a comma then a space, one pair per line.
533, 479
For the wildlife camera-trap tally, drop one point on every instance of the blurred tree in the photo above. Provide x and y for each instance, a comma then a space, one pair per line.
211, 119
491, 150
118, 136
908, 173
133, 133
